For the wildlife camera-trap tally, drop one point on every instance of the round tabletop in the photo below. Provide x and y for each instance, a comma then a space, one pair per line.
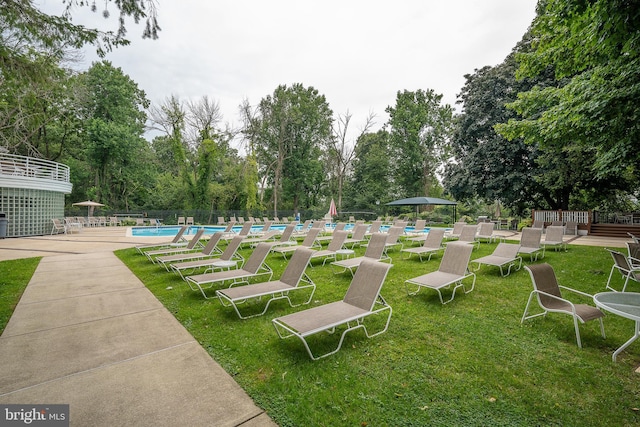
625, 304
345, 251
224, 264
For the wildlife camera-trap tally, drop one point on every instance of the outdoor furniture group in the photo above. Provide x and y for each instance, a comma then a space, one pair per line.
215, 263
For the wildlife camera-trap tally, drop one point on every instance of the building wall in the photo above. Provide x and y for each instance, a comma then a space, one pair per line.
29, 211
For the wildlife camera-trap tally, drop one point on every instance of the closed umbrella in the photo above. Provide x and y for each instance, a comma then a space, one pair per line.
332, 208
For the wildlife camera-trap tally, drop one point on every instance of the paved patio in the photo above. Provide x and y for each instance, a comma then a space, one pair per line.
89, 334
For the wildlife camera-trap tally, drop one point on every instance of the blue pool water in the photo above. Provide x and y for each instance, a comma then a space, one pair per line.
172, 230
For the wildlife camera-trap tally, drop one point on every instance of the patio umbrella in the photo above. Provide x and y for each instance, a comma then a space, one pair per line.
332, 208
90, 204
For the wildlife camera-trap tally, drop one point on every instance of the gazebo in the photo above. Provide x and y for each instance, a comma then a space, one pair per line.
422, 200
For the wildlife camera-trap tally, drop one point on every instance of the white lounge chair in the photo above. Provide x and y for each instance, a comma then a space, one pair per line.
374, 252
530, 243
293, 279
358, 304
254, 267
505, 254
178, 240
432, 244
453, 269
192, 246
229, 258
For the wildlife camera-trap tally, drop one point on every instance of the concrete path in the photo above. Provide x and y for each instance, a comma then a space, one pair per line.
89, 334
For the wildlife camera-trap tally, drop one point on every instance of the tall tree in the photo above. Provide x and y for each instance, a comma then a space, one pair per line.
287, 131
114, 125
595, 46
420, 134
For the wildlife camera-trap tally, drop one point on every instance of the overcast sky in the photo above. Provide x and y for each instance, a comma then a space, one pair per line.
357, 53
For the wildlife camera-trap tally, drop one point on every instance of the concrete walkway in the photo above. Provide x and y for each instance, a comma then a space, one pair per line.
89, 334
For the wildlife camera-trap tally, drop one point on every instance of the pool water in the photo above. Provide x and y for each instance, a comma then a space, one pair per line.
172, 230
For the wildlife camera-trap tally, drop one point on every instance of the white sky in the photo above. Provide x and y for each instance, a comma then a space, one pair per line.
357, 53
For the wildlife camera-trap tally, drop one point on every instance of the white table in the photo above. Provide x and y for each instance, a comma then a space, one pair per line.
625, 304
222, 264
345, 253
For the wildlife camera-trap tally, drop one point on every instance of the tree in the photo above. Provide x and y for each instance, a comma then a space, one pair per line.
420, 134
286, 132
27, 23
114, 127
341, 152
371, 182
595, 46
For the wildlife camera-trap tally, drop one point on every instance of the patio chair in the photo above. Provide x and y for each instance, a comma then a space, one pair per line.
393, 239
181, 220
192, 246
554, 237
308, 242
418, 228
467, 236
538, 223
293, 279
455, 232
269, 236
330, 253
304, 228
178, 240
453, 269
432, 244
244, 231
635, 238
623, 265
634, 254
229, 258
362, 301
58, 226
373, 228
547, 292
189, 221
339, 226
485, 232
210, 249
571, 228
254, 267
505, 254
287, 236
221, 220
530, 243
357, 236
374, 252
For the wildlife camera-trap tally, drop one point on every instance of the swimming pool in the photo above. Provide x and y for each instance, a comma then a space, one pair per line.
172, 230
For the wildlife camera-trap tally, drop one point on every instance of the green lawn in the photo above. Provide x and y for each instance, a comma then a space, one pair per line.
14, 277
467, 363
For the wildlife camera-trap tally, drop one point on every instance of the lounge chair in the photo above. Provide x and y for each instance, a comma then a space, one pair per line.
210, 250
221, 220
467, 236
358, 304
244, 231
335, 245
393, 238
453, 269
189, 221
254, 267
530, 243
635, 238
229, 258
455, 232
373, 228
192, 246
308, 242
505, 254
374, 252
269, 236
357, 236
547, 291
418, 228
554, 237
432, 244
293, 279
304, 228
287, 236
538, 223
181, 220
624, 266
178, 240
486, 232
339, 226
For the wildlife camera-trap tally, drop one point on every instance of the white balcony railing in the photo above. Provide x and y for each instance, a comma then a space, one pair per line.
29, 172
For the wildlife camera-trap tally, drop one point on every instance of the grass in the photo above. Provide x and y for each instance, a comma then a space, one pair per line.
14, 278
469, 362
